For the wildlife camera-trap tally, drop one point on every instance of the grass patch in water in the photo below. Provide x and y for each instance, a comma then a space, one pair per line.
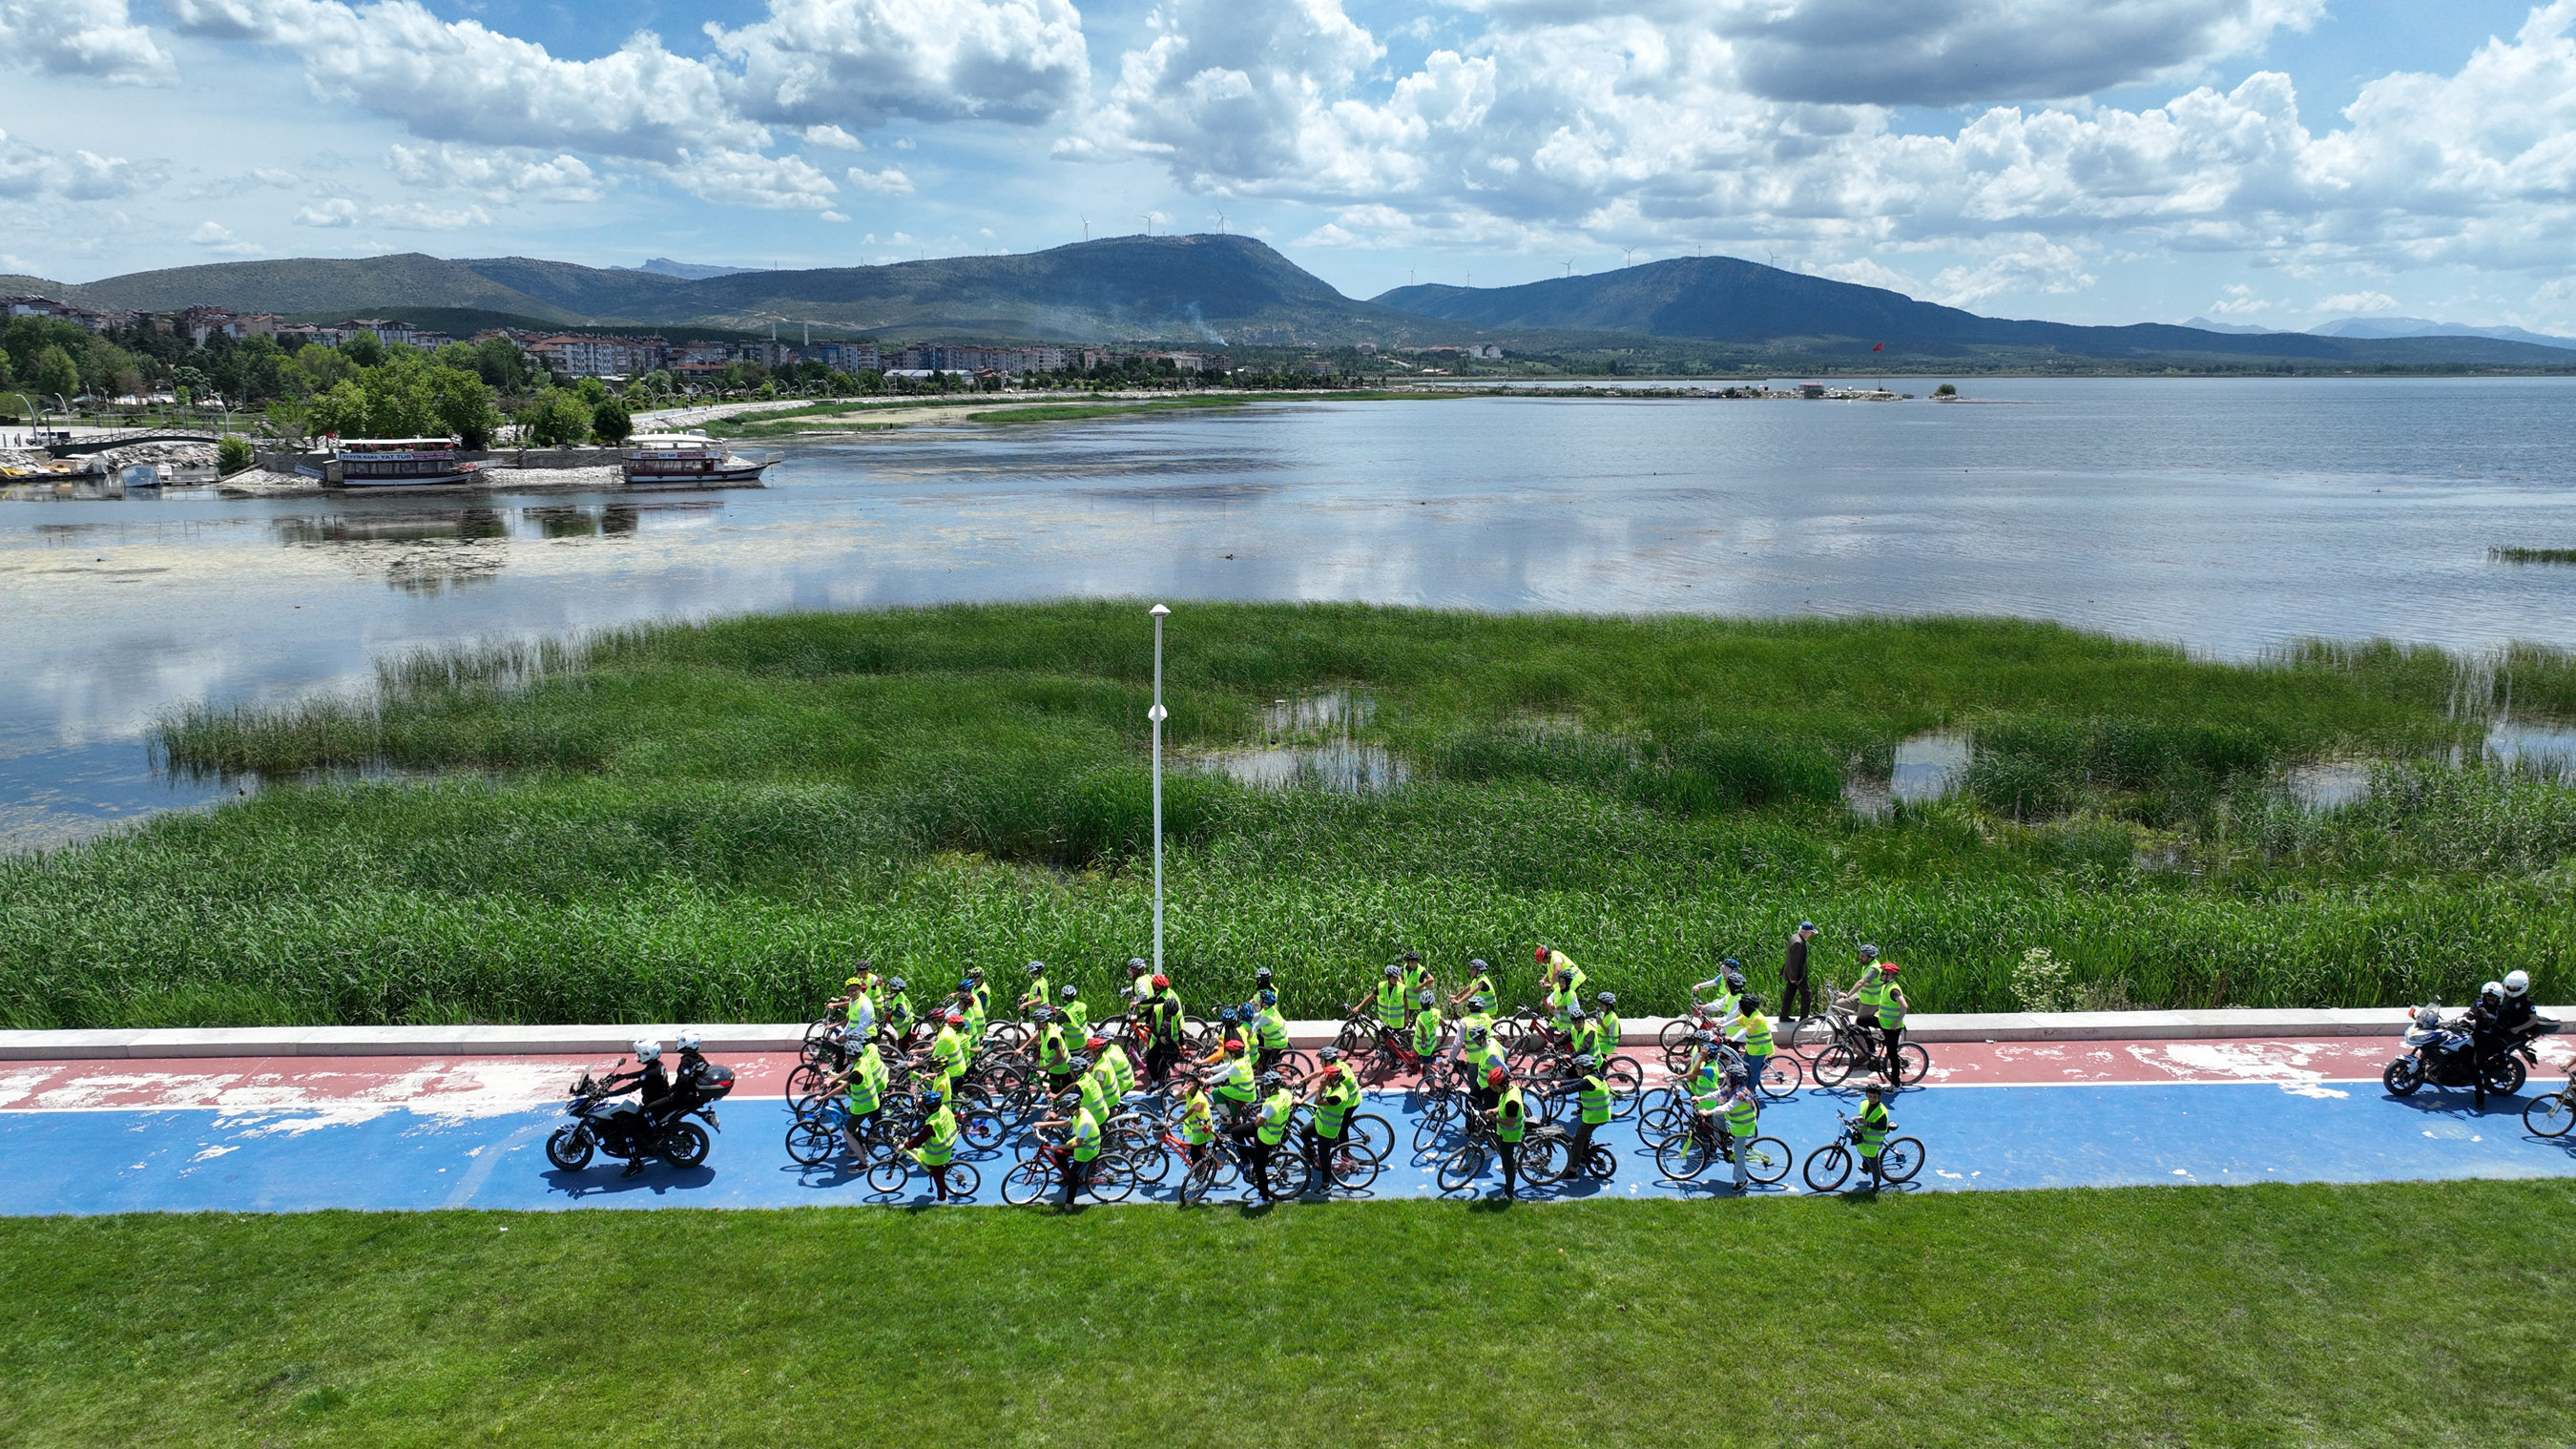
2533, 555
709, 821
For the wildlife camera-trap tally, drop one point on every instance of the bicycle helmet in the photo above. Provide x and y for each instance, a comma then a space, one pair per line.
1752, 1001
1890, 967
1423, 996
956, 1018
1477, 965
1234, 1043
690, 1040
1482, 1002
1605, 1000
1267, 1081
1070, 991
1730, 965
1703, 1039
1162, 983
974, 973
1496, 1077
2516, 982
647, 1049
1137, 965
1094, 1042
1393, 971
1874, 1090
1412, 955
1586, 1062
932, 1098
894, 984
1869, 953
1577, 1013
1329, 1055
1735, 1076
1037, 968
1269, 997
1475, 1034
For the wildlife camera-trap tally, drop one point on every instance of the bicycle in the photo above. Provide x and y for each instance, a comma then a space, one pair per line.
1042, 1171
2553, 1114
889, 1176
1287, 1178
1351, 1165
1539, 1154
1856, 1049
1684, 1156
1898, 1160
816, 1136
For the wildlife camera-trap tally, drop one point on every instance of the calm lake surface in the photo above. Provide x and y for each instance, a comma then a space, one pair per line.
2224, 515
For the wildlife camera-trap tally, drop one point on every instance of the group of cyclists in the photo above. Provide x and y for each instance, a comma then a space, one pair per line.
1238, 1084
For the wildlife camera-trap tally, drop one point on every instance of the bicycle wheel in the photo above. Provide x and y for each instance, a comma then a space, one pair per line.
810, 1143
1353, 1037
1371, 1133
1149, 1164
981, 1127
1663, 1112
1783, 1077
1545, 1157
1289, 1174
963, 1180
1604, 1162
1352, 1168
1297, 1060
888, 1177
1204, 1176
2550, 1116
1112, 1178
1625, 1081
1676, 1033
1835, 1064
1461, 1168
806, 1081
1913, 1063
1900, 1159
1677, 1056
1827, 1166
1026, 1182
1683, 1158
1766, 1160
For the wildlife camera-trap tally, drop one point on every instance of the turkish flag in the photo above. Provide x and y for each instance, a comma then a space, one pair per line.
1878, 347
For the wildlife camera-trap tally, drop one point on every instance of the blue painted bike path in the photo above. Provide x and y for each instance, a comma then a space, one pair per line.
1991, 1138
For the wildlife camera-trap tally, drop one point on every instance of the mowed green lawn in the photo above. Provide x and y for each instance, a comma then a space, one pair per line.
2390, 1314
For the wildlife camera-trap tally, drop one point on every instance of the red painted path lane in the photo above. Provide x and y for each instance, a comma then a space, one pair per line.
356, 1088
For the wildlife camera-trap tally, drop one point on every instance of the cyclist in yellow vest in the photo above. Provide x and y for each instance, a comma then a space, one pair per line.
1479, 1018
1269, 1030
1557, 968
863, 1085
1069, 1001
1198, 1123
1605, 1013
1427, 1027
1236, 1083
1741, 1124
1336, 1095
1511, 1124
1592, 1096
1415, 975
1055, 1054
950, 1056
1269, 1129
1484, 1057
1480, 982
934, 1145
1752, 1036
1036, 995
1391, 1005
1081, 1144
1870, 1130
1891, 1019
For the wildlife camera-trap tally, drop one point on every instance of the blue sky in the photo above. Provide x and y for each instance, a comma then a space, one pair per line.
2277, 162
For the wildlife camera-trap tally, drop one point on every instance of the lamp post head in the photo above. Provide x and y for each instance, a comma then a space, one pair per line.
1158, 611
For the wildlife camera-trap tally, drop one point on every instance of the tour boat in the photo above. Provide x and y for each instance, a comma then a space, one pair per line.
688, 458
396, 462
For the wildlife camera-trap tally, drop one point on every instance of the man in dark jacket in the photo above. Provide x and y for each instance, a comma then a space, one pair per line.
1797, 998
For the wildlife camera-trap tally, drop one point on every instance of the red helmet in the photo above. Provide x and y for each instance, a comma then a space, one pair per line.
1542, 955
1497, 1077
1162, 982
1234, 1043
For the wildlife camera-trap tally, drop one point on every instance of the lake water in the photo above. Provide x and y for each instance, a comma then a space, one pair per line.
2226, 515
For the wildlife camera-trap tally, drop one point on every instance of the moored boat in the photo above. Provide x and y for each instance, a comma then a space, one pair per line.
683, 458
396, 462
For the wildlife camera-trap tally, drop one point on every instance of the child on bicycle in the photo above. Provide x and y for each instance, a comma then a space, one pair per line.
1335, 1096
1870, 1130
934, 1145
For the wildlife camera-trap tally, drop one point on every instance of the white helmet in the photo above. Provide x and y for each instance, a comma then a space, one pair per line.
2427, 1018
2492, 988
690, 1040
2516, 982
647, 1049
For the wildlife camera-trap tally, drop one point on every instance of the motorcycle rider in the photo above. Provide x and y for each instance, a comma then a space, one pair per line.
2519, 1019
2486, 1038
652, 1083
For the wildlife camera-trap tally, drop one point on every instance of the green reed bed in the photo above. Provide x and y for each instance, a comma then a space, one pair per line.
711, 822
2533, 555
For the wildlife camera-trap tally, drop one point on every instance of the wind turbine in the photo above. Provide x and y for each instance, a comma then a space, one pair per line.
1631, 254
1149, 223
1086, 228
1220, 223
1569, 266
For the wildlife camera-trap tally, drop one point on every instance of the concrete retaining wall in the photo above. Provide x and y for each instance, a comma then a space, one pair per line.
455, 1041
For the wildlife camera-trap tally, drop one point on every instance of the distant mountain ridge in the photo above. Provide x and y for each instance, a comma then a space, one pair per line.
2384, 327
1235, 290
1729, 299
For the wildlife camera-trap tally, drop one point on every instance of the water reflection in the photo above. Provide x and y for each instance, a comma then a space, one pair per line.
1926, 767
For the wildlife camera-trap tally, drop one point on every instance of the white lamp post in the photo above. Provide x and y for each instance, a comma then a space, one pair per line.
1158, 714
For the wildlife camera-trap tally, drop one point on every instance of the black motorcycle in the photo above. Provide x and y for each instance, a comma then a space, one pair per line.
605, 1121
2444, 1056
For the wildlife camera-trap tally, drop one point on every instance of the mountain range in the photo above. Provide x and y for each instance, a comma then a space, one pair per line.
1236, 290
2393, 327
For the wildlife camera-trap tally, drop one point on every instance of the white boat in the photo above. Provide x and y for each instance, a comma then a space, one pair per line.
688, 458
396, 462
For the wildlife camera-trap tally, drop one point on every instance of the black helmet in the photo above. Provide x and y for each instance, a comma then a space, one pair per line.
1477, 963
1753, 1001
1267, 1081
1394, 970
1037, 968
1081, 1063
1412, 955
1606, 999
894, 983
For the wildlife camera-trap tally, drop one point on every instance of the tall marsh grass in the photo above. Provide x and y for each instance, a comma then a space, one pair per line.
712, 821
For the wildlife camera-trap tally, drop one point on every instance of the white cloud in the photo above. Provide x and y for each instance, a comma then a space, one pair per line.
2358, 302
218, 238
29, 171
889, 182
2016, 265
863, 61
1869, 52
747, 178
337, 211
423, 216
459, 81
507, 173
2238, 301
833, 138
83, 37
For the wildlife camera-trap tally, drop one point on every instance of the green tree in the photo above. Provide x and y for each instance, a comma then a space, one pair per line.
555, 418
319, 369
609, 422
592, 391
365, 349
56, 373
232, 455
8, 372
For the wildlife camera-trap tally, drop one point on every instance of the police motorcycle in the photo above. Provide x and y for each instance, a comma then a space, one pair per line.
605, 1120
2441, 1054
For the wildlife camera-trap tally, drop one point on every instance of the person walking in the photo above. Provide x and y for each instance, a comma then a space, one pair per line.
1797, 994
1511, 1124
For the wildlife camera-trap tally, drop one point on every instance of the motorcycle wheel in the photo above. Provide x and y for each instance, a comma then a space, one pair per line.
2505, 1078
685, 1145
569, 1149
2403, 1076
